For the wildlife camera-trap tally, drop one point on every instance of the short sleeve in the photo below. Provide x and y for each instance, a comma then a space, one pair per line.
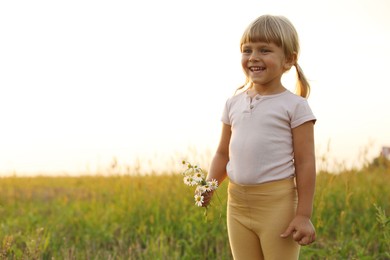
302, 114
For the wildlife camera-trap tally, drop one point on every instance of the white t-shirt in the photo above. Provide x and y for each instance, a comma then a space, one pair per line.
261, 145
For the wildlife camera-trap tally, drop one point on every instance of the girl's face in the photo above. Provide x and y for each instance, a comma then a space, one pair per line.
264, 64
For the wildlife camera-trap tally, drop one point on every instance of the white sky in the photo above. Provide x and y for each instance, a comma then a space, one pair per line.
82, 82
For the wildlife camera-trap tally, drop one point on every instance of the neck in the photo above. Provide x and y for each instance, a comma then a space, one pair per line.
266, 90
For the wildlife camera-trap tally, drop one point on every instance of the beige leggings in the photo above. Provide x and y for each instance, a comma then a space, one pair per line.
257, 215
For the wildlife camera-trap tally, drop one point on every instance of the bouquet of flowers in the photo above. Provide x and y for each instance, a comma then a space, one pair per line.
195, 176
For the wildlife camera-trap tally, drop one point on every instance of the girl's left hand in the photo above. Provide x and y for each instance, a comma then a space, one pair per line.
302, 230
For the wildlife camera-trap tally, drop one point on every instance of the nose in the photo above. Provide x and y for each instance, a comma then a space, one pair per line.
253, 57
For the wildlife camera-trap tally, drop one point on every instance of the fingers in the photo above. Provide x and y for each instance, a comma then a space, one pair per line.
303, 239
207, 198
302, 231
288, 231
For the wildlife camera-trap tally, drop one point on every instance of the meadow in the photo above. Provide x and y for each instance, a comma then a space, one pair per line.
154, 217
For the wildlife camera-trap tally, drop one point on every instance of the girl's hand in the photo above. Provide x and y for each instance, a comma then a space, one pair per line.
302, 230
207, 198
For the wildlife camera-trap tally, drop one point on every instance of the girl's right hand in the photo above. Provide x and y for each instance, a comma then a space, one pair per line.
207, 198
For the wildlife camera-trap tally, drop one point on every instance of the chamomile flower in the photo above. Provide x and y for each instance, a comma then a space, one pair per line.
199, 199
207, 187
200, 190
186, 180
189, 180
213, 184
198, 176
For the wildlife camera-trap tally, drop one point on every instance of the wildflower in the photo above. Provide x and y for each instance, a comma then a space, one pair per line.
198, 176
214, 184
200, 190
199, 199
189, 180
207, 187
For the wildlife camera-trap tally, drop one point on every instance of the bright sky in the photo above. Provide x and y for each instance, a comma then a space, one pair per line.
82, 82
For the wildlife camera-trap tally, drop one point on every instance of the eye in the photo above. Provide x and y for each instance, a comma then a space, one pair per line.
264, 50
246, 50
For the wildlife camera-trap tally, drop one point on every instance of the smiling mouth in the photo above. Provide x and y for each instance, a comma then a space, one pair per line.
256, 68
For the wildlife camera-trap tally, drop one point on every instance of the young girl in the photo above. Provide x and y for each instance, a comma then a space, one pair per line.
267, 149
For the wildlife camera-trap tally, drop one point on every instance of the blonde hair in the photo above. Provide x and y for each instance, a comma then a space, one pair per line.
280, 31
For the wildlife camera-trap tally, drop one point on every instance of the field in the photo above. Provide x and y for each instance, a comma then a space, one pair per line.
154, 217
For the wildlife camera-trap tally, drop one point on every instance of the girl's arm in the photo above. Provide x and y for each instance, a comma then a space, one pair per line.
304, 159
221, 158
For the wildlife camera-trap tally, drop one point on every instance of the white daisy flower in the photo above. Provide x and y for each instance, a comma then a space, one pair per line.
199, 176
200, 190
194, 181
189, 180
207, 187
213, 184
199, 200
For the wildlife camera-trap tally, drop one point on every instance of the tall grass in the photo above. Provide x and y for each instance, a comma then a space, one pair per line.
154, 217
121, 217
350, 215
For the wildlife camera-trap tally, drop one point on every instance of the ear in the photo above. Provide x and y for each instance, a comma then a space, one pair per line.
290, 61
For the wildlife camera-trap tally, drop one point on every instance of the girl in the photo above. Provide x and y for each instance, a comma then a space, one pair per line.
267, 149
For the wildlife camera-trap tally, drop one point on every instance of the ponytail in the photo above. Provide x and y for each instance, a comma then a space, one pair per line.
303, 86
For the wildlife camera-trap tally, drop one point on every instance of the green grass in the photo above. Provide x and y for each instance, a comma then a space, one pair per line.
154, 217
